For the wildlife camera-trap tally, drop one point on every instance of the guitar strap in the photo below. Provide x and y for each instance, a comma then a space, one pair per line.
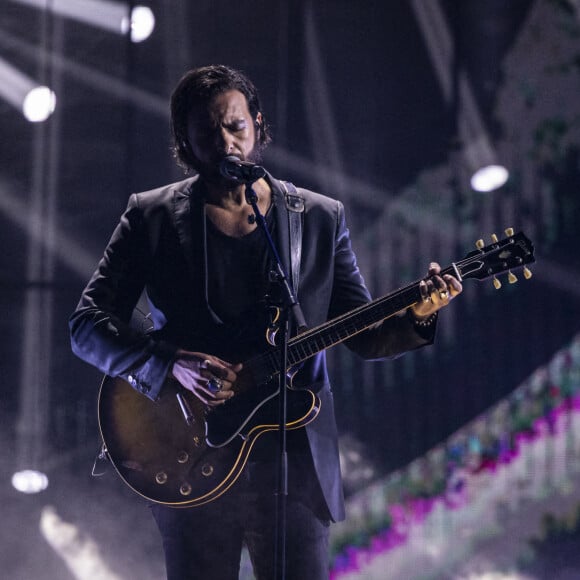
295, 207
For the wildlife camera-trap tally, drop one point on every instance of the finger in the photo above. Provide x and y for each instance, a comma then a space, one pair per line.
454, 285
439, 297
209, 397
216, 402
434, 269
441, 286
195, 368
210, 369
224, 395
424, 290
211, 402
234, 367
224, 373
218, 388
205, 399
214, 384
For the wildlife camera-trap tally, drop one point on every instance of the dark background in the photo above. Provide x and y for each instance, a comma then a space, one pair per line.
358, 112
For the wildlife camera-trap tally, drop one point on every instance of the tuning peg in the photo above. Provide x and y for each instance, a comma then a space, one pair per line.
512, 278
527, 273
480, 244
494, 238
509, 232
496, 283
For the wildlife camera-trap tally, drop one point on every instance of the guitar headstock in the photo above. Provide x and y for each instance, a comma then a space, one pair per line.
513, 251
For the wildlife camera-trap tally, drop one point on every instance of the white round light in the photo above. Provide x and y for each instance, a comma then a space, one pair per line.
489, 178
39, 104
142, 23
29, 481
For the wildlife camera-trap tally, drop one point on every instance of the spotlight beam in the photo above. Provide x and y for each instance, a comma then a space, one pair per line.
94, 79
478, 150
63, 246
99, 13
318, 104
16, 87
78, 550
103, 14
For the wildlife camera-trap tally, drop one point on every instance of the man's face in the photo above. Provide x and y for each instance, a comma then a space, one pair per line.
224, 128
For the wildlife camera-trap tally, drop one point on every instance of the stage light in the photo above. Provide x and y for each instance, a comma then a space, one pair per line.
29, 481
142, 23
36, 102
39, 104
489, 178
104, 14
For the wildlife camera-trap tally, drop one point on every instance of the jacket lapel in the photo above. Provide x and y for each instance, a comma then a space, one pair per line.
188, 212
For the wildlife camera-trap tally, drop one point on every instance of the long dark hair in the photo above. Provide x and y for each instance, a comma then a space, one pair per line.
196, 89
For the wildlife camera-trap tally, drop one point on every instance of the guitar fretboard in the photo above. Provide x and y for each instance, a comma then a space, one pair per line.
335, 331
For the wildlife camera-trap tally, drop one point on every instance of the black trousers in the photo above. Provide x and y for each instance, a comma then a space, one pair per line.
205, 542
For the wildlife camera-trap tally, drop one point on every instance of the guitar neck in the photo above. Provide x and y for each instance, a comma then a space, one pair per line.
339, 329
342, 328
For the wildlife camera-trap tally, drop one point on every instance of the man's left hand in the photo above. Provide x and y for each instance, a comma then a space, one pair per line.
437, 292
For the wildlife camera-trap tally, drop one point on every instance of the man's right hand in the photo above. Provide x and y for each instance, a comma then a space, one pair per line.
208, 377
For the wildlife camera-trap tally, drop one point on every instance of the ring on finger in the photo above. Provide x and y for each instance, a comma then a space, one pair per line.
443, 294
215, 385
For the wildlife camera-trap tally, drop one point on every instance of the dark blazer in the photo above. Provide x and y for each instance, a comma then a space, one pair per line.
159, 246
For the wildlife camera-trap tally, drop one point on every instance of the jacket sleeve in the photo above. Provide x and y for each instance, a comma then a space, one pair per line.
387, 338
100, 331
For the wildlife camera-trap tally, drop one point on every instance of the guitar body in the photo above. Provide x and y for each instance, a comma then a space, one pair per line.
166, 459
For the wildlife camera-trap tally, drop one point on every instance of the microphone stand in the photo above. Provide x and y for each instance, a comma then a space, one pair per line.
289, 303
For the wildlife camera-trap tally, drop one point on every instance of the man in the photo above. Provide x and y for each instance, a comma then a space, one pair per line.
195, 247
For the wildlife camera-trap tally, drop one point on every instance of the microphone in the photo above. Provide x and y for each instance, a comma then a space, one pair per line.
235, 169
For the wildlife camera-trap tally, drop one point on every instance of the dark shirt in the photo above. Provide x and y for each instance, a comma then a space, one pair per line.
237, 273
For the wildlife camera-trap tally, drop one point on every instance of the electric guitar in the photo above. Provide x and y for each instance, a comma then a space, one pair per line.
178, 452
